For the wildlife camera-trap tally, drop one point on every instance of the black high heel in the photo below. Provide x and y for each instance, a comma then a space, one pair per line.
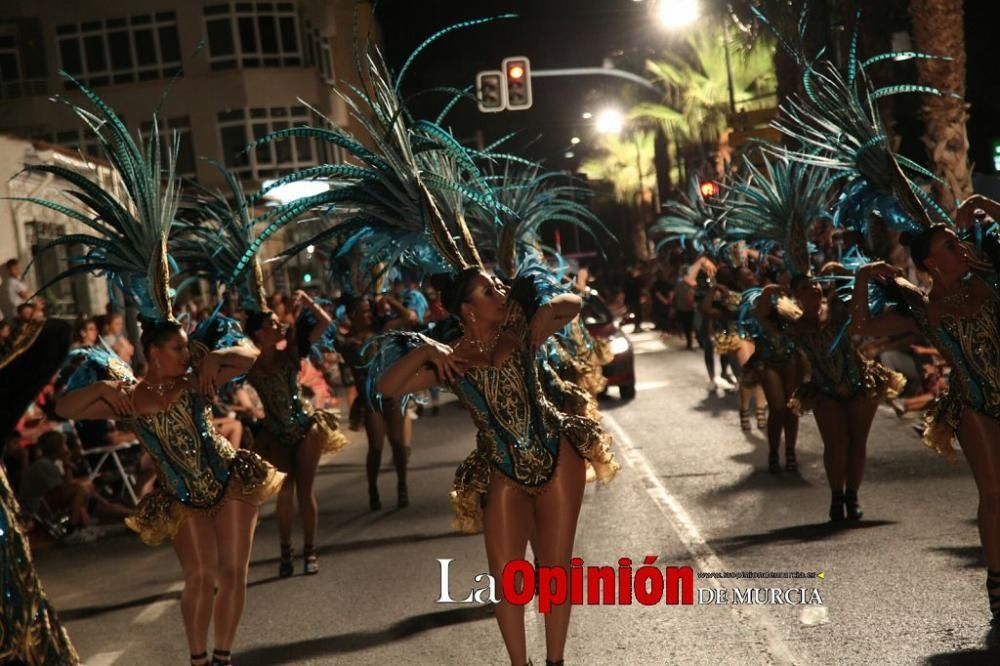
773, 463
854, 511
222, 658
285, 565
761, 419
837, 506
199, 659
745, 420
791, 462
403, 499
374, 503
549, 662
993, 590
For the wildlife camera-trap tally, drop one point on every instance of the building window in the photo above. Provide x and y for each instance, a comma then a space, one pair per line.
240, 127
252, 34
185, 166
121, 50
15, 80
66, 297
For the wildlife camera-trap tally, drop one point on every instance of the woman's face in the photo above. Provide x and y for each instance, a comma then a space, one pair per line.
172, 357
486, 299
88, 336
809, 294
115, 325
269, 334
948, 256
361, 316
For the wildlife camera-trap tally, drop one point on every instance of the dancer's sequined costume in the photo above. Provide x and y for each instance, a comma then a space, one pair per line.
971, 345
197, 468
289, 419
519, 430
839, 372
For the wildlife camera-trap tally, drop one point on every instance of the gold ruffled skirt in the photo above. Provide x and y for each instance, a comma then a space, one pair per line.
159, 515
472, 479
941, 423
880, 383
727, 343
324, 429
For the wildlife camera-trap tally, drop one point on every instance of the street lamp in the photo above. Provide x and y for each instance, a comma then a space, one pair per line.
610, 121
677, 13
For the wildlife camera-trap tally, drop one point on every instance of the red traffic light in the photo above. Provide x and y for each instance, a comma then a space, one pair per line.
708, 189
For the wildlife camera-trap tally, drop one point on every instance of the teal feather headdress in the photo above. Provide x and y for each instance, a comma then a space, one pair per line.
778, 202
130, 228
692, 221
213, 238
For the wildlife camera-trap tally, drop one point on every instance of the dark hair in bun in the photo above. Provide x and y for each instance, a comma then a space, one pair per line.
157, 331
454, 289
919, 243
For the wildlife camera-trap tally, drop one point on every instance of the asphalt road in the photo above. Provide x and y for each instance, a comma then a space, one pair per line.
905, 586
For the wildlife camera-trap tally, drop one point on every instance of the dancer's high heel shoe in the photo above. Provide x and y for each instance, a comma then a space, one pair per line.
854, 511
745, 420
199, 659
837, 506
791, 462
403, 497
285, 565
761, 419
773, 462
310, 561
374, 503
993, 590
222, 658
549, 662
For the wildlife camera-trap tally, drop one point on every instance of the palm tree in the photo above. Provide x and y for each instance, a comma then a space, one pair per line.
937, 29
695, 107
626, 161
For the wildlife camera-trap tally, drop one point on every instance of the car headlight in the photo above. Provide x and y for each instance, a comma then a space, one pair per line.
620, 345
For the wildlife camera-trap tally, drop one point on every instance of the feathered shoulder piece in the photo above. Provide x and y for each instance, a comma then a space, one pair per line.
130, 222
90, 365
534, 285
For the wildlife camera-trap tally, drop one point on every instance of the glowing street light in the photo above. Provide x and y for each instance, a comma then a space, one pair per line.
587, 115
677, 13
610, 121
575, 140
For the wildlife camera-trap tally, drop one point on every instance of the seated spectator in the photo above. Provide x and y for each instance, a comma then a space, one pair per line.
84, 332
45, 479
114, 336
15, 459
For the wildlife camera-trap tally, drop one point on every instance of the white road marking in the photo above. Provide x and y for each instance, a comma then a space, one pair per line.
648, 386
703, 555
153, 611
104, 658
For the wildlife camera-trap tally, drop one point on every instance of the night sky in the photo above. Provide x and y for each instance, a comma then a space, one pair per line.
581, 33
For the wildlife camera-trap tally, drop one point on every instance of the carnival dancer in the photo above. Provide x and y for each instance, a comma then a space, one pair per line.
779, 201
525, 445
219, 243
208, 494
960, 316
31, 632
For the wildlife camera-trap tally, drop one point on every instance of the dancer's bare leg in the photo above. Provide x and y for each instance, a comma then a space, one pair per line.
235, 523
195, 545
507, 522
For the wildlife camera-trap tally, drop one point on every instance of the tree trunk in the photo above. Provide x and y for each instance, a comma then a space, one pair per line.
938, 30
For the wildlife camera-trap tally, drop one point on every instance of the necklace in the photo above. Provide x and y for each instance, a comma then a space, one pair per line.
958, 298
160, 389
484, 348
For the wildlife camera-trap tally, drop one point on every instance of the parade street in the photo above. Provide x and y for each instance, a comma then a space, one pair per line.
902, 587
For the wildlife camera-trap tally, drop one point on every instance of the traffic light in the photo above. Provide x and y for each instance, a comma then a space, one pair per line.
491, 91
517, 70
708, 189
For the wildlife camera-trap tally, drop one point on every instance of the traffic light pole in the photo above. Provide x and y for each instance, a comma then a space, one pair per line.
596, 71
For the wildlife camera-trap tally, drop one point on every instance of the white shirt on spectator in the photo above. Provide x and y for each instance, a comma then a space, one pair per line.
10, 296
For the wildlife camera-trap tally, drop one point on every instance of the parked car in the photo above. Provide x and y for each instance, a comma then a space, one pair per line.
601, 325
